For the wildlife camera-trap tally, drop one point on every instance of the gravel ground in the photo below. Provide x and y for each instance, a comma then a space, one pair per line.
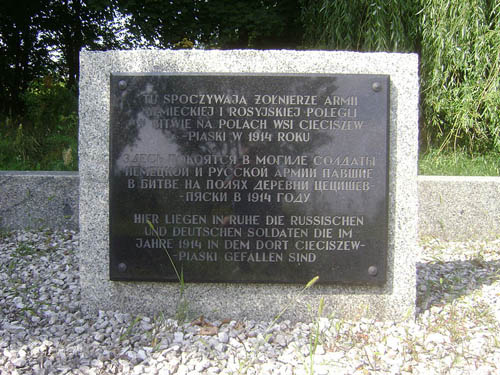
42, 330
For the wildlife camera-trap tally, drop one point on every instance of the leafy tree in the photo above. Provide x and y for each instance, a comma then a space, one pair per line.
71, 25
255, 24
458, 42
461, 74
361, 25
42, 37
214, 23
23, 55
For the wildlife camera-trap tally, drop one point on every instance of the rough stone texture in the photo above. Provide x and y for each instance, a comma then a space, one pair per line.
459, 208
32, 200
395, 300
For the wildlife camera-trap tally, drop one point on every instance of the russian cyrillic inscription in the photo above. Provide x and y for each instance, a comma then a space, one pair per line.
249, 178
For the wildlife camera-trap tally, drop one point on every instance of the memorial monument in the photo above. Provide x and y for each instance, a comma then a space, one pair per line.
248, 173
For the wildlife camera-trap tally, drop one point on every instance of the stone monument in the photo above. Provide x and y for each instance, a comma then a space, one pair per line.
247, 174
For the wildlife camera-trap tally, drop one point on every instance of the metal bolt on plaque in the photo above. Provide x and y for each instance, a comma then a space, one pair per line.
122, 267
372, 271
376, 86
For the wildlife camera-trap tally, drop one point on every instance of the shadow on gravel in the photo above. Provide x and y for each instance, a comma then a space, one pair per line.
439, 283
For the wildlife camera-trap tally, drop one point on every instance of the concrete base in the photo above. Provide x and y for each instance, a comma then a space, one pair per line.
395, 300
39, 200
459, 208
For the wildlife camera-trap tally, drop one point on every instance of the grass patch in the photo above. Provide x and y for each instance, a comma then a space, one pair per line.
458, 163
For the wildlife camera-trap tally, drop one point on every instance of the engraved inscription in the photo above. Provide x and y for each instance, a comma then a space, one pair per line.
249, 178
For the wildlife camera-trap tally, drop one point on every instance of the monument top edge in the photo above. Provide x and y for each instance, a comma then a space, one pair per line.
244, 52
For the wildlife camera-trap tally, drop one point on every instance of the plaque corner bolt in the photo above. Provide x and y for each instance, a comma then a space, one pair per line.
122, 84
376, 86
122, 267
372, 271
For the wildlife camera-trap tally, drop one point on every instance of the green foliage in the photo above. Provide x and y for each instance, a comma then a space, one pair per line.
459, 163
458, 42
255, 24
70, 26
45, 37
360, 25
38, 120
23, 55
48, 102
45, 138
213, 23
185, 43
460, 74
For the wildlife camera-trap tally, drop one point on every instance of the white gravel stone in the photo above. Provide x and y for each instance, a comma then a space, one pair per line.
223, 337
43, 330
79, 330
19, 362
435, 338
178, 337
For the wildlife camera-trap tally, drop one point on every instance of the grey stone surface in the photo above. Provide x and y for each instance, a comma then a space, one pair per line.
459, 208
33, 200
395, 300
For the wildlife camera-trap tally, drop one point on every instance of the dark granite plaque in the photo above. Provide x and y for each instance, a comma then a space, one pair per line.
249, 178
